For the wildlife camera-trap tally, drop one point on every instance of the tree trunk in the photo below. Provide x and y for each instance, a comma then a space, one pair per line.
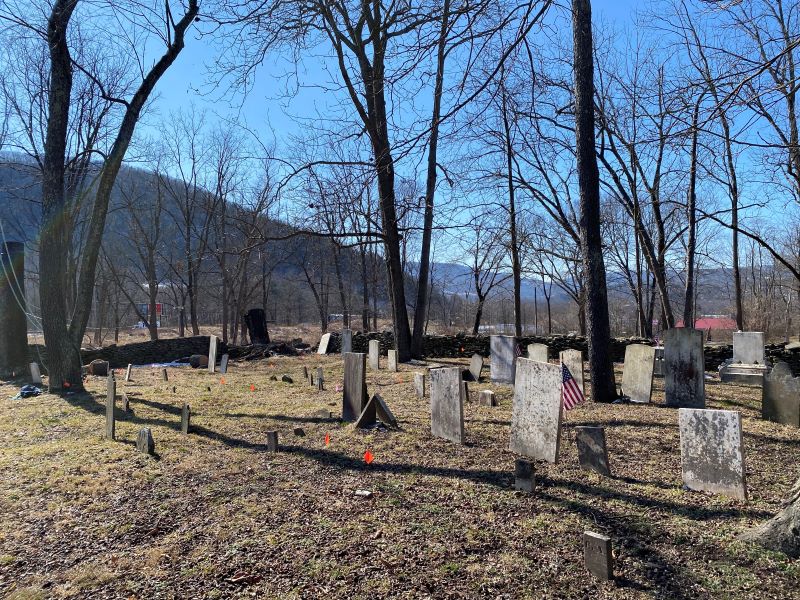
516, 270
598, 328
478, 315
691, 210
782, 532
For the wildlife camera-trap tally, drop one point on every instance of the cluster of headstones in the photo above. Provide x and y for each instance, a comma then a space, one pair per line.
374, 350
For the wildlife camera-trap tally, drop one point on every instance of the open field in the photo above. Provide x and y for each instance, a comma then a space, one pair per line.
214, 515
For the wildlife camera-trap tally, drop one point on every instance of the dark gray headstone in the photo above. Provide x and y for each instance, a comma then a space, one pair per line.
126, 403
272, 441
144, 441
447, 404
111, 396
186, 415
592, 452
305, 373
299, 432
503, 363
367, 418
286, 379
598, 556
524, 475
223, 364
780, 399
476, 367
320, 379
164, 374
684, 368
382, 410
347, 341
354, 390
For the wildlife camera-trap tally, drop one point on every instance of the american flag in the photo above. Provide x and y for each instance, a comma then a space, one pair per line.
571, 394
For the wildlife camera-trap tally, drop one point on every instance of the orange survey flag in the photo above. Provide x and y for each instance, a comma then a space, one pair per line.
327, 439
222, 381
252, 387
368, 457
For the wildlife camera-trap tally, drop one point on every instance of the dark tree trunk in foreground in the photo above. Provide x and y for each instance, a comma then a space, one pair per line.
598, 329
782, 532
691, 214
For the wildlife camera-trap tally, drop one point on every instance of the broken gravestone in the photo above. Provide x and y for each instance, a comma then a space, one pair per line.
502, 365
367, 418
780, 396
592, 451
536, 411
144, 441
712, 452
476, 367
637, 372
354, 390
684, 368
447, 404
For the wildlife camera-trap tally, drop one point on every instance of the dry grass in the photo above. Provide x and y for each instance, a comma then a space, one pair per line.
215, 515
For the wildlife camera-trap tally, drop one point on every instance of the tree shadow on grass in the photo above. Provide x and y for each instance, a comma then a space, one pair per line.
289, 418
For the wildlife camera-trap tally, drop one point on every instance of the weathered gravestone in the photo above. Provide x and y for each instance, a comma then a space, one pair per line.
748, 347
347, 341
126, 403
598, 556
144, 441
658, 366
320, 379
780, 396
536, 411
383, 413
272, 441
374, 355
36, 374
476, 367
684, 368
419, 384
306, 374
111, 396
186, 415
354, 390
128, 372
212, 353
323, 344
573, 360
487, 398
391, 361
637, 372
447, 404
223, 364
592, 452
712, 452
503, 363
367, 418
538, 352
164, 374
524, 473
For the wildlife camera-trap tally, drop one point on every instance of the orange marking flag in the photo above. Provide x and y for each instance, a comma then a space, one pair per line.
222, 381
252, 387
327, 439
368, 457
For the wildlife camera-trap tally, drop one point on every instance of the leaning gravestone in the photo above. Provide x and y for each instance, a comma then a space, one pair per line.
598, 556
447, 404
347, 341
367, 417
111, 397
323, 344
223, 364
536, 412
573, 360
637, 372
419, 384
36, 374
354, 390
592, 451
212, 353
144, 441
128, 372
684, 368
476, 367
712, 452
391, 361
382, 411
503, 363
780, 396
748, 347
374, 355
538, 352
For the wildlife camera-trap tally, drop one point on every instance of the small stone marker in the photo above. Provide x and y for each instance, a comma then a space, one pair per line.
305, 373
419, 384
323, 414
212, 353
712, 452
536, 411
598, 556
128, 372
592, 451
573, 359
476, 367
286, 379
299, 432
524, 475
539, 352
164, 374
465, 385
391, 362
272, 441
223, 364
36, 374
487, 398
780, 396
347, 341
111, 396
637, 372
684, 368
374, 355
323, 344
320, 379
367, 418
503, 364
144, 441
186, 415
748, 347
126, 403
447, 404
382, 411
354, 390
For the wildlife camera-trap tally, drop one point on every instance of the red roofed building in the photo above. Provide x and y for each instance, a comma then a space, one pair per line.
722, 327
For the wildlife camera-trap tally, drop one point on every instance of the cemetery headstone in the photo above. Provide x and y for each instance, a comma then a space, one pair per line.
598, 556
347, 341
286, 379
299, 432
658, 366
447, 404
573, 359
185, 417
592, 451
98, 368
323, 344
272, 441
36, 374
391, 361
368, 415
383, 413
305, 372
538, 352
419, 384
465, 385
748, 347
524, 475
503, 363
476, 367
111, 396
374, 355
128, 372
320, 379
684, 368
536, 410
323, 414
144, 441
780, 396
126, 402
223, 364
354, 390
712, 452
212, 353
164, 374
637, 372
487, 398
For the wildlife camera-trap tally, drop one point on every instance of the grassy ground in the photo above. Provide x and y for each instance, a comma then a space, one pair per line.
214, 515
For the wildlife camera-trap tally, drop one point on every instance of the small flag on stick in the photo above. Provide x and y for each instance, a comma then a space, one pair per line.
327, 439
368, 457
222, 381
571, 394
252, 387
